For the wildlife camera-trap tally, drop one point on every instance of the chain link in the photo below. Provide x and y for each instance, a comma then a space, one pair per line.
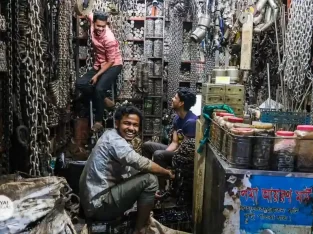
297, 54
8, 97
174, 62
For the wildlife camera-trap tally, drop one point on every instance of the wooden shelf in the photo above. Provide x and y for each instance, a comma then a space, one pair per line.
135, 18
135, 40
154, 17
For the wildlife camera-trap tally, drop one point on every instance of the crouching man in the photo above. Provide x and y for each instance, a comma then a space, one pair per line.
115, 176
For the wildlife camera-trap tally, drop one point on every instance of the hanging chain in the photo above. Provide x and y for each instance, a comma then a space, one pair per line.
176, 45
8, 97
298, 42
46, 156
34, 99
17, 63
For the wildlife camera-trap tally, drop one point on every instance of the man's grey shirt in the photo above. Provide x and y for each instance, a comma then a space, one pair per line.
111, 160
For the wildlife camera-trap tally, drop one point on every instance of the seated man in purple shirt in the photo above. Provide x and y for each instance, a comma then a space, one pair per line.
184, 125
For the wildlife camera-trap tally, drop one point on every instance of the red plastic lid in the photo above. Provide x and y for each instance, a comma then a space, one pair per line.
225, 114
235, 120
285, 133
305, 127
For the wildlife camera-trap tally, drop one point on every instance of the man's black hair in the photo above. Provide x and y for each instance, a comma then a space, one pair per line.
186, 96
100, 15
127, 109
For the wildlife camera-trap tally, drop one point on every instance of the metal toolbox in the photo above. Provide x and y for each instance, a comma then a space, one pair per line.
235, 90
213, 89
213, 99
234, 100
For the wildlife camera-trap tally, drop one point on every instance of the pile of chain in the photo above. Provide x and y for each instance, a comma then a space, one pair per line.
39, 53
297, 54
264, 51
60, 88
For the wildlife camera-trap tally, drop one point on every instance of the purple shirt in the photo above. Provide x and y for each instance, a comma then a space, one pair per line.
185, 127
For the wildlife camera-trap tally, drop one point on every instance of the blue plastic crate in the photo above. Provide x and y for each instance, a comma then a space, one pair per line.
280, 117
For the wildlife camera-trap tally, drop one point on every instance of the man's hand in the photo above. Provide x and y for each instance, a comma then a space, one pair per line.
171, 175
94, 80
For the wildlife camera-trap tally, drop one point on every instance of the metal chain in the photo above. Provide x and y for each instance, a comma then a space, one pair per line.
34, 99
46, 145
8, 97
176, 45
17, 63
298, 44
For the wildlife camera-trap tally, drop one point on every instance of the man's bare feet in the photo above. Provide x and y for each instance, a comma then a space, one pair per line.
97, 127
108, 103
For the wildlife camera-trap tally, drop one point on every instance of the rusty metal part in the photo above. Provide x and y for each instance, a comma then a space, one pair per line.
82, 10
81, 131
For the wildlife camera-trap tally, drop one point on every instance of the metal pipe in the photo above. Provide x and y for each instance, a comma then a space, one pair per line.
279, 63
260, 5
269, 85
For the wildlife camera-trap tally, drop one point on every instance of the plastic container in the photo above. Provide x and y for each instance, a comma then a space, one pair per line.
240, 147
284, 151
231, 121
304, 148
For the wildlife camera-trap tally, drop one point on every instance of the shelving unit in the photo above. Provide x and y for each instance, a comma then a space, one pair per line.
153, 101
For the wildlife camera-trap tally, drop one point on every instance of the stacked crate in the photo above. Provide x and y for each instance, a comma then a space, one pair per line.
231, 95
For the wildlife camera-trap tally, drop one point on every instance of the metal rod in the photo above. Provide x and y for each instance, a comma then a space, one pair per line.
279, 63
304, 96
269, 85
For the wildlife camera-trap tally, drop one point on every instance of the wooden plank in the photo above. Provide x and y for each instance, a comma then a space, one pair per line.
198, 183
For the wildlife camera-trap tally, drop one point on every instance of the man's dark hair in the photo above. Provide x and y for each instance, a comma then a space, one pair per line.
100, 15
186, 96
127, 109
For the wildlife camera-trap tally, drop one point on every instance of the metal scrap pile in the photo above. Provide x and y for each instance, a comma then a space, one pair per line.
40, 205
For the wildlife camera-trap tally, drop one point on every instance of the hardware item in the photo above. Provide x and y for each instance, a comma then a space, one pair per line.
150, 28
158, 28
82, 9
158, 68
148, 48
158, 49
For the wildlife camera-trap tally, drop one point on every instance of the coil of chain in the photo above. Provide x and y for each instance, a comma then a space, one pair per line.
297, 54
61, 86
176, 45
8, 97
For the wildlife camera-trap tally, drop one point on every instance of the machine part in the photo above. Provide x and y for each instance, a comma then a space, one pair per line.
83, 8
271, 15
246, 47
260, 5
203, 25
